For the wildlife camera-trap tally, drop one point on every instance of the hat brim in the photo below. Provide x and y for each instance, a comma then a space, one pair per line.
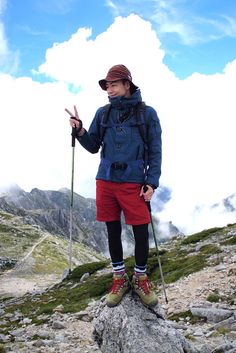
102, 84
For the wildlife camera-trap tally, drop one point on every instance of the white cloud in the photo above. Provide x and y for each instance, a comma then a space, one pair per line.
181, 18
197, 116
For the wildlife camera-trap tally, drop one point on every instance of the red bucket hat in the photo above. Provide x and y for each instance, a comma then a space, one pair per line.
118, 72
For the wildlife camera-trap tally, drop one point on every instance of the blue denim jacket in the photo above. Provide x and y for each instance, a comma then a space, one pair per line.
123, 144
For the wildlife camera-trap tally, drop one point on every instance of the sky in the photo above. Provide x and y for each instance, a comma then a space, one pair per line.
182, 55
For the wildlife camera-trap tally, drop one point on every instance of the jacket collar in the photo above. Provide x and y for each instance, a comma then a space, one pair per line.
126, 102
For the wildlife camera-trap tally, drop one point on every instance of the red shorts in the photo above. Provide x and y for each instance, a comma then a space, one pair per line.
113, 198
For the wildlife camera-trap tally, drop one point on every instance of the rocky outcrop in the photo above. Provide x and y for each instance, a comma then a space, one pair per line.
133, 328
212, 314
50, 210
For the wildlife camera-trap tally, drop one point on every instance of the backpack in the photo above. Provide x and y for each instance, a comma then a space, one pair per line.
139, 112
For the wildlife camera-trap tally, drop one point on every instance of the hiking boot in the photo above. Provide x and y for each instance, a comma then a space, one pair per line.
119, 287
143, 287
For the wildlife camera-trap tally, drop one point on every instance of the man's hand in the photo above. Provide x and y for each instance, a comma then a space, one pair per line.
147, 192
75, 121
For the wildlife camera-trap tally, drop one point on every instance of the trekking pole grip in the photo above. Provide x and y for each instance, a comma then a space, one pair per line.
73, 134
147, 202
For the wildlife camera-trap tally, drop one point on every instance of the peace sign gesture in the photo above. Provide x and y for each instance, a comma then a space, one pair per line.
75, 121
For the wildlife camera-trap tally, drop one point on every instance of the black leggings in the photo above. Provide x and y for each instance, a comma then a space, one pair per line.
141, 242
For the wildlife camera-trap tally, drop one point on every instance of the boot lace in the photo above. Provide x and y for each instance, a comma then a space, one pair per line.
118, 283
145, 285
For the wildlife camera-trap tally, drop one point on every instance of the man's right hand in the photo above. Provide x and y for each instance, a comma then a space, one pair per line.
75, 121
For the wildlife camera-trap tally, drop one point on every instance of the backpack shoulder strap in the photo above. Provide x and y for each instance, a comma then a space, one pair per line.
141, 120
142, 126
104, 120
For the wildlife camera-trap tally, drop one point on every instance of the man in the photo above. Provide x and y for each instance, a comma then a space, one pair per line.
124, 181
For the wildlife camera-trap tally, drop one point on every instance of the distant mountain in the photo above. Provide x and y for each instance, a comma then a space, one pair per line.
50, 210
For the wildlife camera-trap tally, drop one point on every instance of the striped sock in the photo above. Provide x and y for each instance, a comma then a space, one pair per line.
140, 270
118, 268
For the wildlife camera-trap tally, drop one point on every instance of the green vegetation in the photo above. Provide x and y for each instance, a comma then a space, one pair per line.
213, 298
50, 258
17, 239
51, 255
209, 249
90, 268
230, 241
186, 316
6, 216
223, 330
2, 349
175, 264
195, 238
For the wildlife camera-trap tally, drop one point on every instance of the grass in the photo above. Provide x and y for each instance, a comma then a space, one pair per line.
186, 316
6, 216
213, 298
223, 330
90, 268
197, 237
15, 240
49, 258
210, 249
2, 349
175, 264
230, 241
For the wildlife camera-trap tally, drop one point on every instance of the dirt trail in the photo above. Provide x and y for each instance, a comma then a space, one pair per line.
16, 282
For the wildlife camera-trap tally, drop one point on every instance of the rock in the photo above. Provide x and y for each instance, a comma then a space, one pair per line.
130, 327
16, 333
4, 338
26, 321
59, 308
39, 343
57, 325
229, 324
225, 348
211, 314
220, 267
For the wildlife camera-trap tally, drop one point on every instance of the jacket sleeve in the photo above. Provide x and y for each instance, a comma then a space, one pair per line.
154, 147
90, 140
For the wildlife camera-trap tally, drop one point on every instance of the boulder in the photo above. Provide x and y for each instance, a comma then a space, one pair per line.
211, 314
131, 327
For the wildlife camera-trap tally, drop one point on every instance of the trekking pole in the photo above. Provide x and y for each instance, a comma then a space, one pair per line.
72, 196
158, 254
73, 134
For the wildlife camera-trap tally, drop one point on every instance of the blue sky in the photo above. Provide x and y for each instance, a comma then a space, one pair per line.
182, 56
197, 36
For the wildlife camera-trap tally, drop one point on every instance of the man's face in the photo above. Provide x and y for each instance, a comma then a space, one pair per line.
118, 88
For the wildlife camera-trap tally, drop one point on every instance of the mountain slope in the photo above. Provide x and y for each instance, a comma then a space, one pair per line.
200, 275
28, 253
